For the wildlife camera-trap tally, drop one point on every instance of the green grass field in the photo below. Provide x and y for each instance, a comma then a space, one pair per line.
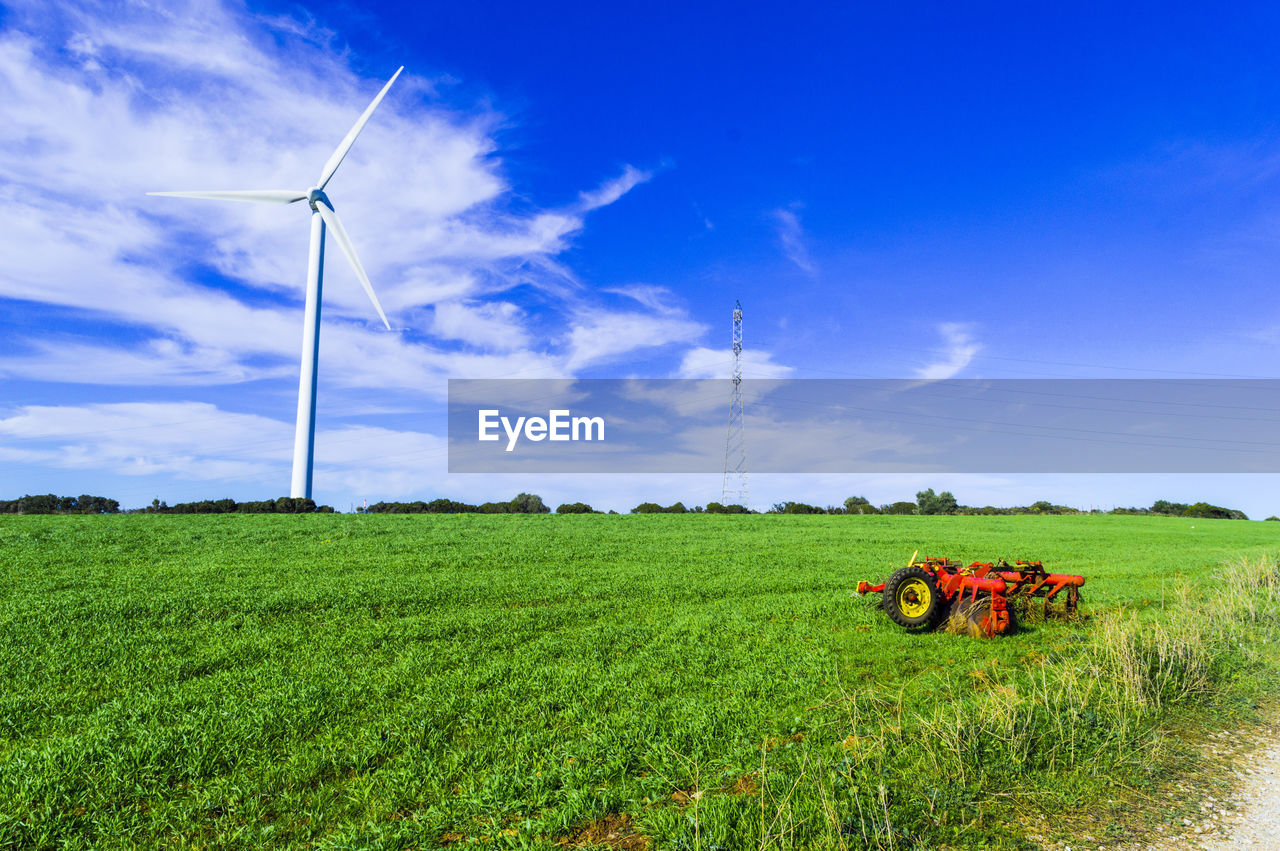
415, 681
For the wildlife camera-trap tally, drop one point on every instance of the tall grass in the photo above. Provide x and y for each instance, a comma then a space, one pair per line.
988, 747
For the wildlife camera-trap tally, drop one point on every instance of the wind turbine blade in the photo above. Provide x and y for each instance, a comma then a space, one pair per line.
344, 242
345, 145
261, 196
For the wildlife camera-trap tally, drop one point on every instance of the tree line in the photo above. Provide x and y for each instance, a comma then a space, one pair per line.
282, 505
52, 504
926, 503
523, 503
930, 503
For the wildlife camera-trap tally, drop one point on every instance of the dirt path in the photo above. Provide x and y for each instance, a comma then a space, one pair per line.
1253, 819
1233, 803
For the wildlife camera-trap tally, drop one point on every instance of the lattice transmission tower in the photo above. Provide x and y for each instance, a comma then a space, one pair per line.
734, 489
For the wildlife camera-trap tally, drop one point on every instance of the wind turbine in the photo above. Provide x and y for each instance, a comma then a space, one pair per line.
323, 217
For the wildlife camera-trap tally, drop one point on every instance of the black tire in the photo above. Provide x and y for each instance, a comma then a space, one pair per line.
910, 581
965, 617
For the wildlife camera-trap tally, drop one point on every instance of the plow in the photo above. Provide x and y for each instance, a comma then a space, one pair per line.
975, 598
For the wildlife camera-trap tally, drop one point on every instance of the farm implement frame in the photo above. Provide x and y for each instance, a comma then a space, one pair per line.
975, 598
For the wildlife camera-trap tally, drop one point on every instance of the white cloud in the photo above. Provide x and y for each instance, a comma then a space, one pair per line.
612, 190
792, 239
195, 441
600, 337
658, 299
809, 445
960, 351
156, 361
702, 362
695, 397
103, 103
495, 325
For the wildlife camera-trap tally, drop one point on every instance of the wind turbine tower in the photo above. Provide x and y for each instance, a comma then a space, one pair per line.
323, 218
733, 490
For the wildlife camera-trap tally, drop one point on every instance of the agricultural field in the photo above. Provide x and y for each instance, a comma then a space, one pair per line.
684, 682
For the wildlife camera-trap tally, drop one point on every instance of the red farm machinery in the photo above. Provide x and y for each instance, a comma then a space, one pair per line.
974, 599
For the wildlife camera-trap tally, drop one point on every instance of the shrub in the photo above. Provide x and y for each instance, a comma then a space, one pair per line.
1204, 509
654, 508
795, 508
717, 508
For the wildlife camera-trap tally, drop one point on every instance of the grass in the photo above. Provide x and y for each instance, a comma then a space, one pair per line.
706, 682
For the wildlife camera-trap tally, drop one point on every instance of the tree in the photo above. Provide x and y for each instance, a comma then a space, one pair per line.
1204, 509
574, 508
293, 505
45, 503
717, 508
936, 503
654, 508
899, 508
859, 505
528, 503
795, 508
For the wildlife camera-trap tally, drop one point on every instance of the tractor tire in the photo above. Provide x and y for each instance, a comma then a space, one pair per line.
966, 617
911, 598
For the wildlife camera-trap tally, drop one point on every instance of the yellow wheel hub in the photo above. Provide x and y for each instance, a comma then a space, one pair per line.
913, 598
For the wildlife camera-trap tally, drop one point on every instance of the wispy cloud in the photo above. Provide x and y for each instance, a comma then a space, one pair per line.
604, 337
959, 351
200, 442
703, 362
141, 438
658, 299
612, 190
792, 239
105, 102
494, 325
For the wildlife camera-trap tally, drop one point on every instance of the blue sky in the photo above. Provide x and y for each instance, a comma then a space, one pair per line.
583, 190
